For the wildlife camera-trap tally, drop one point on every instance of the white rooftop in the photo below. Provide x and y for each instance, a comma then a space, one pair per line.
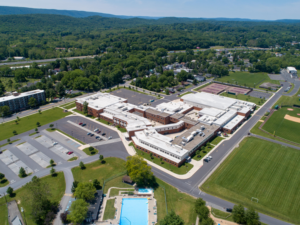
210, 100
232, 123
160, 144
20, 95
172, 107
211, 112
100, 100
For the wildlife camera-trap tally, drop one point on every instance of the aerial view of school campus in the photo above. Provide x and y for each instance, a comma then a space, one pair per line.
110, 119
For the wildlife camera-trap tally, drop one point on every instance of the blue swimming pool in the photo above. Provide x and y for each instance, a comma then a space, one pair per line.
134, 211
145, 190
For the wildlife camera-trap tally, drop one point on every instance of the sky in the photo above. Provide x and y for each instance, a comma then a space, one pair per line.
251, 9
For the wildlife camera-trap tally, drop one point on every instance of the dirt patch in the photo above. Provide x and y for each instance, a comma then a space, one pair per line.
290, 109
261, 121
97, 167
292, 118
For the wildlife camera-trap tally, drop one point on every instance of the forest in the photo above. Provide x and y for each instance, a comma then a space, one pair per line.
54, 36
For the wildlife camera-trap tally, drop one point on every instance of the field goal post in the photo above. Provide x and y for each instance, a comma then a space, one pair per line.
254, 199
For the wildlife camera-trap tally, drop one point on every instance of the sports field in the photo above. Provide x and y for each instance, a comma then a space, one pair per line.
247, 79
264, 170
247, 98
284, 128
289, 100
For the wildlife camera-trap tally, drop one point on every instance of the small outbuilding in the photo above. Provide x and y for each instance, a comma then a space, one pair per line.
126, 179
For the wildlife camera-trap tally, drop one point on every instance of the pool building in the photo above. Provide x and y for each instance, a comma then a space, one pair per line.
137, 208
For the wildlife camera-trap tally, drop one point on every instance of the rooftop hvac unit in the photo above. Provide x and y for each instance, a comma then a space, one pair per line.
189, 138
203, 135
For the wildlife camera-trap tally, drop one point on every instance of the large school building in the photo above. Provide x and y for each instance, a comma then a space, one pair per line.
148, 126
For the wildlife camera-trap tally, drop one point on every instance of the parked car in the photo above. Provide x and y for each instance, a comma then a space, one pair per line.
83, 124
55, 143
103, 134
69, 152
109, 137
80, 123
206, 160
92, 135
210, 157
229, 209
96, 129
97, 137
88, 133
99, 131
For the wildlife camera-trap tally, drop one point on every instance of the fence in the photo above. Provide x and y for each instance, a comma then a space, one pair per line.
233, 85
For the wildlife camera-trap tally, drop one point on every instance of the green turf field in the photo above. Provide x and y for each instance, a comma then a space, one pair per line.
247, 79
282, 127
29, 122
248, 98
267, 171
287, 100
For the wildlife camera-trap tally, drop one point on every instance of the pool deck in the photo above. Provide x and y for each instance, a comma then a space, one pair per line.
152, 208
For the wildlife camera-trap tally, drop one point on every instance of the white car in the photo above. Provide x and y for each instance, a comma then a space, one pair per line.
109, 137
55, 143
210, 157
96, 129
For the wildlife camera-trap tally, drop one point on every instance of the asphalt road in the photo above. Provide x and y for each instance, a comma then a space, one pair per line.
190, 185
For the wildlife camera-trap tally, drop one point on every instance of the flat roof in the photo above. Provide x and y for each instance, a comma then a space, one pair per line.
177, 116
198, 140
211, 112
209, 100
156, 112
189, 120
172, 107
21, 95
95, 204
232, 123
100, 100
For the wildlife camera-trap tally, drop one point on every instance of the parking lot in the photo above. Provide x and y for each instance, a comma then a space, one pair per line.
259, 94
133, 97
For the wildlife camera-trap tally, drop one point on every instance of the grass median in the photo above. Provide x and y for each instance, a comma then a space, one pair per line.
263, 170
30, 122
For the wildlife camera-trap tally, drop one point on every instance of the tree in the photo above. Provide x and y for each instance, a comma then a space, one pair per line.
51, 126
139, 171
10, 191
252, 217
10, 84
5, 111
85, 107
1, 176
32, 102
74, 186
60, 89
195, 82
51, 162
172, 219
22, 172
238, 214
85, 190
79, 209
208, 221
36, 130
96, 184
63, 217
81, 165
38, 197
101, 158
91, 149
167, 91
52, 172
8, 140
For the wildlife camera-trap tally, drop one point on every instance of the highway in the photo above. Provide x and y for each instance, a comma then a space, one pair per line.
191, 185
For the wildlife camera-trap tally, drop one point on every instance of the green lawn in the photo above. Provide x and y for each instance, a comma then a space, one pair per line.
287, 100
110, 210
183, 169
69, 105
181, 203
29, 122
248, 98
75, 110
103, 121
3, 182
56, 185
4, 81
217, 140
88, 152
292, 87
247, 79
122, 129
116, 182
116, 191
264, 170
282, 127
73, 159
204, 152
222, 215
96, 170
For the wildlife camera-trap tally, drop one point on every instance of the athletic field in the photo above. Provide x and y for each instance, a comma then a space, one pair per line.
247, 79
284, 128
264, 170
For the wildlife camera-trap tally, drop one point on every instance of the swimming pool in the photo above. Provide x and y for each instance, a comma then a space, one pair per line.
134, 211
145, 191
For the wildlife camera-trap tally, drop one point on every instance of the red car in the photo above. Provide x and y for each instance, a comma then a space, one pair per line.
80, 123
70, 153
